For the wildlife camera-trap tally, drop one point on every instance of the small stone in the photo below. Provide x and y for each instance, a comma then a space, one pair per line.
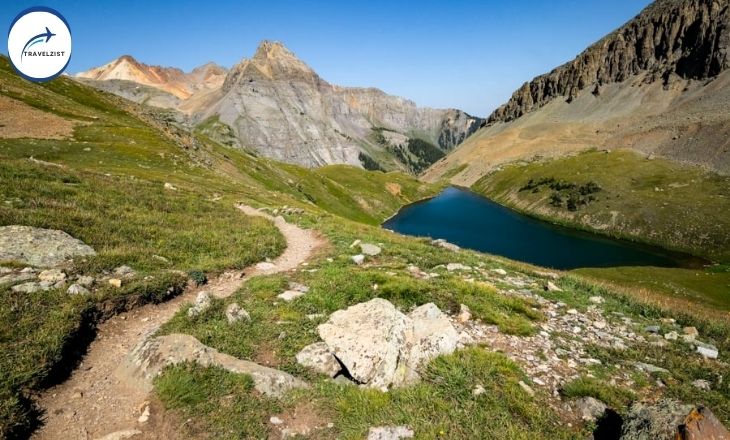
652, 329
145, 415
551, 287
478, 390
235, 313
30, 287
170, 186
464, 314
671, 336
202, 303
85, 281
124, 271
446, 245
115, 282
527, 388
318, 357
275, 420
358, 259
690, 331
708, 351
389, 433
577, 329
499, 271
290, 295
52, 275
369, 249
77, 289
590, 409
649, 368
572, 312
456, 266
355, 243
596, 299
600, 324
702, 384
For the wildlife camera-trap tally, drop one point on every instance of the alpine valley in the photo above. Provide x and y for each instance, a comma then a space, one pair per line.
276, 105
206, 254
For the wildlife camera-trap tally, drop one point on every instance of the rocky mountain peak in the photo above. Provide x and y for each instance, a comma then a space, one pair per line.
686, 39
272, 61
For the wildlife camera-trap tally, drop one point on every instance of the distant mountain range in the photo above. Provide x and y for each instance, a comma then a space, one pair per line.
277, 106
659, 84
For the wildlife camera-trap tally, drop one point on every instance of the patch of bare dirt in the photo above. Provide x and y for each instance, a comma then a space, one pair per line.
19, 120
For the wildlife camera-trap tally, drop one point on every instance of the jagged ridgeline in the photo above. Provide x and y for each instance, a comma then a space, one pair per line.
276, 105
658, 85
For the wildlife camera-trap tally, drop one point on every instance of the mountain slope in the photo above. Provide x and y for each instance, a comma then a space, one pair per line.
278, 106
659, 85
168, 79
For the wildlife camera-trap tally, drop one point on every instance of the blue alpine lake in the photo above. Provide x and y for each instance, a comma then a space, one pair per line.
472, 221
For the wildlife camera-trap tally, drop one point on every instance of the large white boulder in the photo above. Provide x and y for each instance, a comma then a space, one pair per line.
367, 338
432, 336
382, 347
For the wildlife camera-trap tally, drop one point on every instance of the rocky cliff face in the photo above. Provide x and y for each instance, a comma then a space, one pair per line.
659, 84
688, 39
277, 105
280, 107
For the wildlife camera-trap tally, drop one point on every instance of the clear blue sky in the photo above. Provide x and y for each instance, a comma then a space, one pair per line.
452, 53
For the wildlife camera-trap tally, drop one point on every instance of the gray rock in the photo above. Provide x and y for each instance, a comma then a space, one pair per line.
124, 271
590, 409
671, 336
499, 271
702, 384
659, 421
39, 247
13, 278
318, 357
367, 338
85, 281
147, 360
456, 266
202, 303
708, 351
432, 336
290, 295
652, 329
551, 287
649, 368
464, 314
596, 299
358, 259
528, 389
235, 313
77, 289
30, 287
389, 433
370, 249
446, 245
52, 275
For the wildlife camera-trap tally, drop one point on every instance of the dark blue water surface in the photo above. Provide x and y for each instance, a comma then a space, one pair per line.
472, 221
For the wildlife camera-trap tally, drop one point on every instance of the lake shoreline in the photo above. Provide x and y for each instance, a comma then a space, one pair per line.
662, 255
